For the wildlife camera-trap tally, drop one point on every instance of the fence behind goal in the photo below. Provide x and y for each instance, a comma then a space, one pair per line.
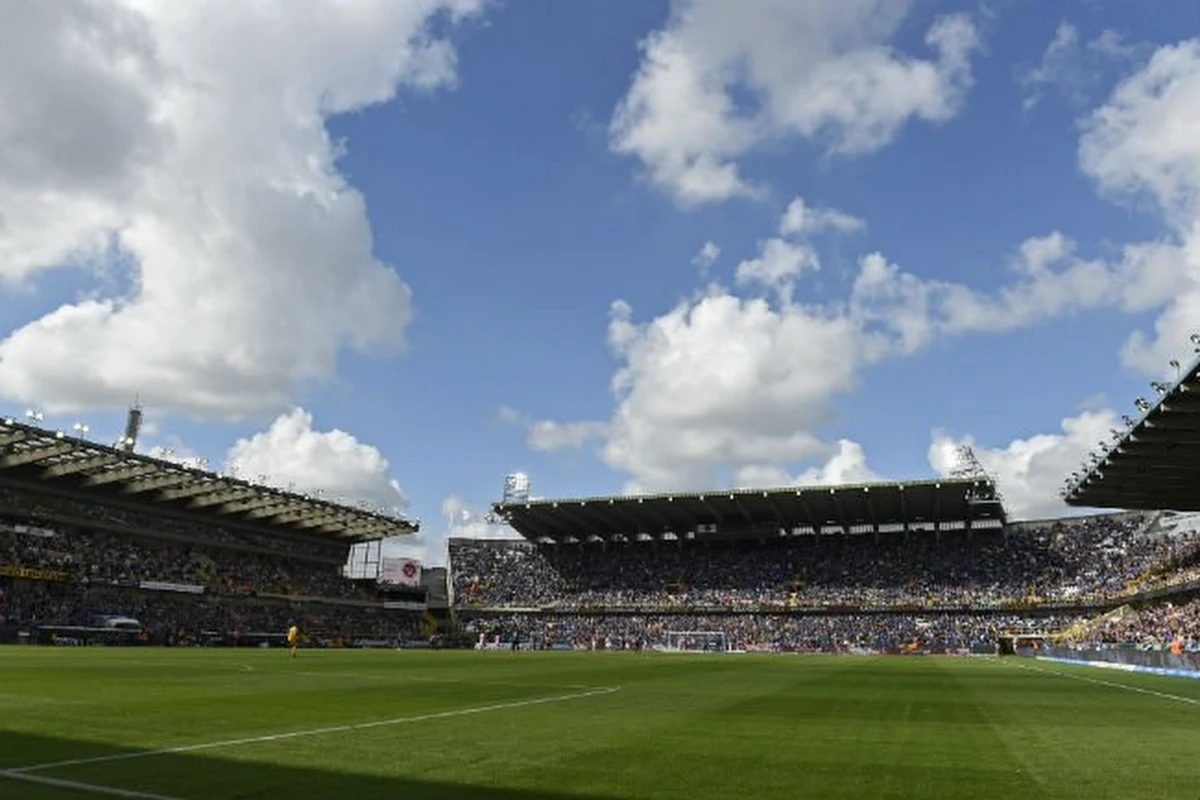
697, 641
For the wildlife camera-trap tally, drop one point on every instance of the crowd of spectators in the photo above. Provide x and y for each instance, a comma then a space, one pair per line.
1064, 561
101, 557
1151, 627
73, 563
762, 631
173, 618
33, 506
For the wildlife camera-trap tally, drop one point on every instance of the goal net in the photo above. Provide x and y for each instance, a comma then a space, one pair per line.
696, 641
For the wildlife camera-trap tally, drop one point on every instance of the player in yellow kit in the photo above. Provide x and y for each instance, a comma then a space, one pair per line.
293, 637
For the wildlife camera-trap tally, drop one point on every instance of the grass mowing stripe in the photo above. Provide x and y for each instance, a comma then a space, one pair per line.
274, 737
426, 679
91, 788
1101, 682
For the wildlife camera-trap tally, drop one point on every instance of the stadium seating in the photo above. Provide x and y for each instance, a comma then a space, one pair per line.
185, 582
1066, 561
804, 593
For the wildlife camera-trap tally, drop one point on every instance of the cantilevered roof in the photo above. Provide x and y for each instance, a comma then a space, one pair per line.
50, 458
1154, 463
884, 507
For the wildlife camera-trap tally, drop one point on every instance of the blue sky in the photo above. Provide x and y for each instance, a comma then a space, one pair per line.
233, 238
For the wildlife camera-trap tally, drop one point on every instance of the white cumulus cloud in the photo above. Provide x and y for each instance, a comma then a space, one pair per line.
707, 256
821, 70
1030, 471
551, 435
184, 145
1143, 144
847, 463
727, 383
800, 219
290, 453
1071, 68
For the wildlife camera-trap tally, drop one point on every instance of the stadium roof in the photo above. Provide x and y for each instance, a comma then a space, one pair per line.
1154, 464
31, 455
860, 508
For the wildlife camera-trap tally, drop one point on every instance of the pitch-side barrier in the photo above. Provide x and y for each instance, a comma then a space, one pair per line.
1154, 662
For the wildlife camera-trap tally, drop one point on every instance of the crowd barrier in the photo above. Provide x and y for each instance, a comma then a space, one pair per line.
1156, 662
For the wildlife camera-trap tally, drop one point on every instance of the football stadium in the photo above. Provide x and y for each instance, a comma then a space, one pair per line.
900, 639
798, 315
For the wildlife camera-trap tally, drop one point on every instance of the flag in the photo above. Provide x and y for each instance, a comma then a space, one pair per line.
401, 572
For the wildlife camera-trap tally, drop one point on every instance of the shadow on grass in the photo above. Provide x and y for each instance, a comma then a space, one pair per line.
209, 777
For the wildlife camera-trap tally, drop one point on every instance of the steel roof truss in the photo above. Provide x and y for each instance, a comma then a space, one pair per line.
222, 496
201, 487
35, 454
158, 482
118, 475
253, 504
79, 465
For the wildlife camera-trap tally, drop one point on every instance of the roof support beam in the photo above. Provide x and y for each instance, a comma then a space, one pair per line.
574, 512
538, 528
82, 465
841, 512
779, 520
293, 515
277, 509
222, 496
715, 512
633, 521
186, 492
870, 509
117, 475
36, 454
813, 522
319, 520
12, 437
742, 509
662, 521
156, 483
253, 503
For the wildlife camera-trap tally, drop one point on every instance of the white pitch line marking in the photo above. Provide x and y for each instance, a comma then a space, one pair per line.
1101, 682
275, 737
92, 788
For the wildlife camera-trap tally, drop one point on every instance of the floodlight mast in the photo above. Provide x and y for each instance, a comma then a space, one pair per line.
516, 488
967, 465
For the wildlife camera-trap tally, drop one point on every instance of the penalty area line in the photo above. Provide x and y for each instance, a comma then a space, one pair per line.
1112, 684
90, 788
276, 737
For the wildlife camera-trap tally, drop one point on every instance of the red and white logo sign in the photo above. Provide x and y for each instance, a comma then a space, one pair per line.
400, 572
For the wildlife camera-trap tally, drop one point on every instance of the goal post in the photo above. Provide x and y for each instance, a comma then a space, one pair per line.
697, 642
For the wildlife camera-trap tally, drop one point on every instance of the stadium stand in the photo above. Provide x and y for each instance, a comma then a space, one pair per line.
1153, 463
928, 567
101, 544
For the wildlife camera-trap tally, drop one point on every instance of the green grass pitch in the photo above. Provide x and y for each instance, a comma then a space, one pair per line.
223, 724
